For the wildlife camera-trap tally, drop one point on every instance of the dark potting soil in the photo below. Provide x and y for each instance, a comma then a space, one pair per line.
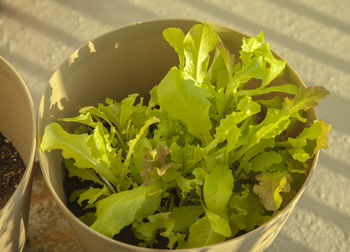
11, 170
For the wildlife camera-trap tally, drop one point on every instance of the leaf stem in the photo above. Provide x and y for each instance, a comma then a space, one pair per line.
121, 141
109, 185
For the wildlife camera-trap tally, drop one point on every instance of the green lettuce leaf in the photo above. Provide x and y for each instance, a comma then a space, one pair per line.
247, 210
276, 121
285, 88
265, 160
160, 221
185, 101
185, 216
126, 109
218, 223
316, 132
255, 48
201, 234
188, 156
88, 151
175, 37
133, 141
217, 189
111, 110
92, 194
83, 174
119, 209
229, 129
198, 42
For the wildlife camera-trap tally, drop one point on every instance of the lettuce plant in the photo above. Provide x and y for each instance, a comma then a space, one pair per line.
206, 158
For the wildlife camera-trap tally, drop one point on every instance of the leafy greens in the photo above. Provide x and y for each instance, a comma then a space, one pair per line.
206, 158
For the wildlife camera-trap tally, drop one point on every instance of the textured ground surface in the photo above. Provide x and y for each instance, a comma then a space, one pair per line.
313, 35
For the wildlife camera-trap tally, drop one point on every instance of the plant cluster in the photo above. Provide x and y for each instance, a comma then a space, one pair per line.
206, 158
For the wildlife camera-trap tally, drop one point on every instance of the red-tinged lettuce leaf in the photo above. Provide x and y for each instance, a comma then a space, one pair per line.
157, 166
201, 234
185, 101
269, 188
119, 209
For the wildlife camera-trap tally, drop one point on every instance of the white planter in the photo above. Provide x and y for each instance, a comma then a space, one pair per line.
17, 124
131, 59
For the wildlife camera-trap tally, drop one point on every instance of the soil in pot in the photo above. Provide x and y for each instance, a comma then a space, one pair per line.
11, 169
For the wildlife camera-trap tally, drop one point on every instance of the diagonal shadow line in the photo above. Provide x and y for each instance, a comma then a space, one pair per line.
23, 63
93, 10
334, 164
30, 20
310, 13
325, 212
333, 107
293, 44
288, 244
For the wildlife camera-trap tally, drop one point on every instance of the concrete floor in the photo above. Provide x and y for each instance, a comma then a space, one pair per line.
313, 35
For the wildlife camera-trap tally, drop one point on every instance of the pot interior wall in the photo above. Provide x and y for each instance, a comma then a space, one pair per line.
16, 122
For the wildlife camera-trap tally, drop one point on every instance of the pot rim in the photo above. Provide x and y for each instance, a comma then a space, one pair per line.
130, 246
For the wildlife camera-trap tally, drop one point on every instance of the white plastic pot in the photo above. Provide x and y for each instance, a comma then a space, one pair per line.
132, 59
17, 123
